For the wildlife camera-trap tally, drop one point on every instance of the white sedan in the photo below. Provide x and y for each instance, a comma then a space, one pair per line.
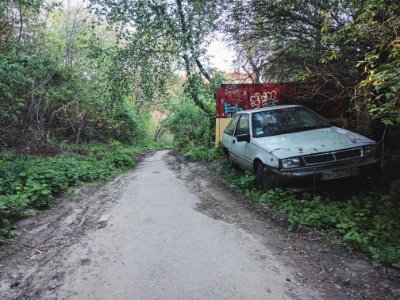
293, 147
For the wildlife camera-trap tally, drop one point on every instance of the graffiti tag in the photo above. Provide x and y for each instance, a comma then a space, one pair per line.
230, 110
232, 92
261, 100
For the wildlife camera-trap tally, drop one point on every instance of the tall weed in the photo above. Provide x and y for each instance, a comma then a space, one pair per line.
34, 182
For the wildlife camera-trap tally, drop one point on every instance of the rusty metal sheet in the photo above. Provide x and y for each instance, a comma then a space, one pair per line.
325, 100
232, 98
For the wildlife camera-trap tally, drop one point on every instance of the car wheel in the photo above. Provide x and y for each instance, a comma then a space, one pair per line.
265, 180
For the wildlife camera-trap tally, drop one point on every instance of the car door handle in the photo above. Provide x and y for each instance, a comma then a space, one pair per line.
233, 141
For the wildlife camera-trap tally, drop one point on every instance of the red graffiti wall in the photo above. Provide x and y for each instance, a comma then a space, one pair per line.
326, 100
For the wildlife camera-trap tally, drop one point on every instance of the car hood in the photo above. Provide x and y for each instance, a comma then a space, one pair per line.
311, 142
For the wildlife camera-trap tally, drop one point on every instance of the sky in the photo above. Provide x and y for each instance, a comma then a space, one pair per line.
221, 57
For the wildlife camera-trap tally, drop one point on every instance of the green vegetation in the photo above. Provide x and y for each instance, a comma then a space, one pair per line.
31, 182
192, 127
202, 153
367, 223
352, 45
61, 79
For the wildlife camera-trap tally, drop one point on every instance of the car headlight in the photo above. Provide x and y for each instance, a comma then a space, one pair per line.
369, 150
291, 162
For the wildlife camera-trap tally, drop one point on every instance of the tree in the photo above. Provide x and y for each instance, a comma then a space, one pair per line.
62, 79
252, 60
352, 45
369, 42
285, 33
174, 31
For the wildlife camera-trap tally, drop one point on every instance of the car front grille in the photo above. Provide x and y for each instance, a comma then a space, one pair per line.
317, 159
332, 157
348, 154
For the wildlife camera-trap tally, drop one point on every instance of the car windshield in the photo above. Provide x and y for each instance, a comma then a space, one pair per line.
287, 120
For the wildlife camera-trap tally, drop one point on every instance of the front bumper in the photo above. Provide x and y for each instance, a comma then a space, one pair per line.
311, 178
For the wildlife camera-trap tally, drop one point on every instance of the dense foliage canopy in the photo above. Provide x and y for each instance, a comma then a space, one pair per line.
61, 77
352, 44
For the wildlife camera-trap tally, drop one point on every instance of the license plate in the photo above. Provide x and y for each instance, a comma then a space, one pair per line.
340, 173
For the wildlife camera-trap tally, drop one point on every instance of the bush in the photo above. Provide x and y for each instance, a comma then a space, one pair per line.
191, 127
371, 225
202, 153
34, 182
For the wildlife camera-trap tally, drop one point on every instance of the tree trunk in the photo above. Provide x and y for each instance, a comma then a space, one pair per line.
188, 47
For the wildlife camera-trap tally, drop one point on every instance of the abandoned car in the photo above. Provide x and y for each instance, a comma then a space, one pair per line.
291, 146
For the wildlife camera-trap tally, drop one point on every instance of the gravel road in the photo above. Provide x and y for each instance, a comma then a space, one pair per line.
157, 246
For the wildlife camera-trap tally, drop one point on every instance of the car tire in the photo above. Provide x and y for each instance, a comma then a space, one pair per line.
265, 180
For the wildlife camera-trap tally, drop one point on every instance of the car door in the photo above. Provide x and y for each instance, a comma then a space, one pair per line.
242, 149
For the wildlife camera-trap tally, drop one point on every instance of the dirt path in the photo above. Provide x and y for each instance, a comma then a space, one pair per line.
169, 231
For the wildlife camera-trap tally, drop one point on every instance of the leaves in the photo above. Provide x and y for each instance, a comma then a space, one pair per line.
162, 37
32, 182
373, 34
67, 81
352, 45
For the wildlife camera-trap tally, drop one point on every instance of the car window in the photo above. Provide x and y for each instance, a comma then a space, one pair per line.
263, 123
230, 128
243, 125
287, 120
308, 119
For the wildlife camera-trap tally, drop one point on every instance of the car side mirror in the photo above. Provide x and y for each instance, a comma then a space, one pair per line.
243, 138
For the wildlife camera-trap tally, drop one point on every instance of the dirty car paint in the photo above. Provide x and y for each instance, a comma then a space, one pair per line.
311, 142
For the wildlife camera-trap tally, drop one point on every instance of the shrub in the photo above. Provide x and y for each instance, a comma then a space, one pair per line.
371, 225
34, 182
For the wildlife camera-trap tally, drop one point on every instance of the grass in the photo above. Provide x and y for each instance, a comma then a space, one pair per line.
32, 182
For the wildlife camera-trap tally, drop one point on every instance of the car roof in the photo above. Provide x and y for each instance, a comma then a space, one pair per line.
268, 108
